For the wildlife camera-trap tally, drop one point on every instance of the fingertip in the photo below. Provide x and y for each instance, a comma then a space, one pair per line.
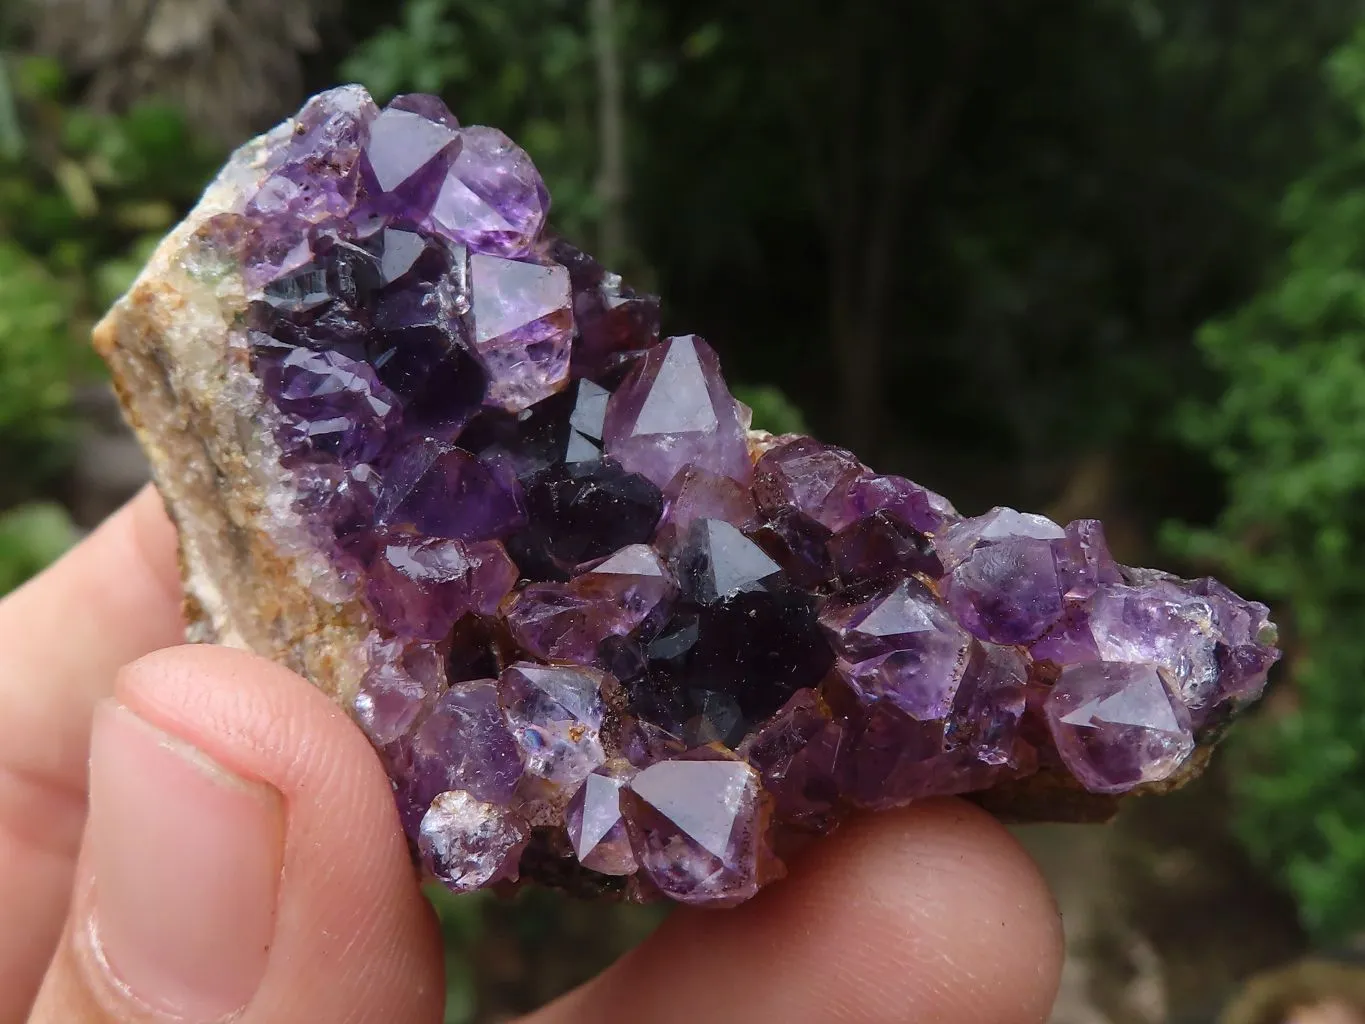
353, 932
929, 914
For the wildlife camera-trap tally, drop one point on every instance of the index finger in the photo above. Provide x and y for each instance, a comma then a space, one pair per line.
63, 635
931, 914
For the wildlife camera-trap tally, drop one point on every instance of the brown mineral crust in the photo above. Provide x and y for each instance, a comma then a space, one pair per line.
1053, 795
168, 344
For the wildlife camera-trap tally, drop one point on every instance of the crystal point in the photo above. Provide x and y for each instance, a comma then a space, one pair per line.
674, 410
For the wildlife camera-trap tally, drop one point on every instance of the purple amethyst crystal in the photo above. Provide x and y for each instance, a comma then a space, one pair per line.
466, 743
555, 713
492, 199
401, 684
523, 327
699, 494
674, 411
435, 489
814, 479
898, 643
697, 825
1116, 725
420, 587
614, 634
568, 622
595, 823
613, 321
405, 159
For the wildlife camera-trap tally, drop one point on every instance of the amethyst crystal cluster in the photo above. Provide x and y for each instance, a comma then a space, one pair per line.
618, 639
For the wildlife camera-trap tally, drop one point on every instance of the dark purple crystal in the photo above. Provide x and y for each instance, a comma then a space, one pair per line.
435, 489
610, 625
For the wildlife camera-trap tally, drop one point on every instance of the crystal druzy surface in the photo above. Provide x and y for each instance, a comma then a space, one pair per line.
613, 630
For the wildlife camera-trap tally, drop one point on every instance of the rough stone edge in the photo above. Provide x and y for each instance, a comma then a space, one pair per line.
186, 391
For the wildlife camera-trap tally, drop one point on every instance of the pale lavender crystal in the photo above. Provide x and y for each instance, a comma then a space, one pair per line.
556, 622
892, 758
697, 825
595, 825
900, 644
698, 494
400, 685
1248, 637
465, 744
523, 328
313, 176
433, 108
637, 579
555, 713
1117, 725
569, 621
468, 844
961, 538
912, 504
433, 488
420, 588
1006, 592
988, 710
1069, 641
1190, 634
328, 133
405, 158
493, 199
674, 410
814, 479
1011, 573
1084, 563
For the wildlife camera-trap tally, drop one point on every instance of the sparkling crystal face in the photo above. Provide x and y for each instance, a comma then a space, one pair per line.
611, 631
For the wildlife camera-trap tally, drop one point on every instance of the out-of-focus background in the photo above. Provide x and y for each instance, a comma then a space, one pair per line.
1101, 258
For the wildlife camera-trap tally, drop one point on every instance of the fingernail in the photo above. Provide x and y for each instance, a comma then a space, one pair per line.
186, 859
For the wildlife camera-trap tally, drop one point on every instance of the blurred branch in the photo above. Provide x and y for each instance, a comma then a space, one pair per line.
611, 180
11, 135
232, 67
906, 159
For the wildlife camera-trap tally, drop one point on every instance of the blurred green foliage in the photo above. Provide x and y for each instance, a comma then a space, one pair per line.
83, 197
31, 536
528, 67
1288, 433
773, 410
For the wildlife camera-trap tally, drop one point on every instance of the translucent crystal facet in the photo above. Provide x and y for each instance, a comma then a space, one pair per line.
674, 410
1116, 725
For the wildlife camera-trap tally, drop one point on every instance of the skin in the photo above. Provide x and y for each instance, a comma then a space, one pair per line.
930, 914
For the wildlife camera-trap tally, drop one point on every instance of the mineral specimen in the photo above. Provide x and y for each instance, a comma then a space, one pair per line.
601, 633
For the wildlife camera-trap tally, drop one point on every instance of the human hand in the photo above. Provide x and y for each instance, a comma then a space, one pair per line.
199, 835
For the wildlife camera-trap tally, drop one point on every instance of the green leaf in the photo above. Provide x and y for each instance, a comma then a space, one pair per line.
773, 411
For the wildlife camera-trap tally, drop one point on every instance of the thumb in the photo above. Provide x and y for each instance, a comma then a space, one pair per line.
242, 860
